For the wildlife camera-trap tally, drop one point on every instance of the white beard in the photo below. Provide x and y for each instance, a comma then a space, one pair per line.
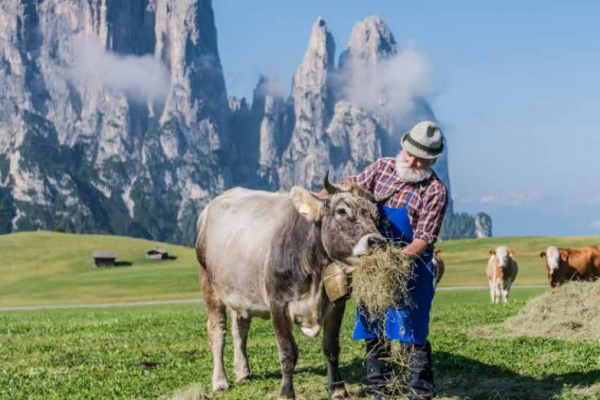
411, 175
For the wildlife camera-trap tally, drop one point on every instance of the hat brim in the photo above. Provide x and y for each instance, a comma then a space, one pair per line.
420, 152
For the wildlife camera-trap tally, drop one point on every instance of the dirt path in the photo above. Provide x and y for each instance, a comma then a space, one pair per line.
159, 302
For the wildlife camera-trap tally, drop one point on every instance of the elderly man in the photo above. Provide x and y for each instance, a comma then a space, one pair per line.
411, 218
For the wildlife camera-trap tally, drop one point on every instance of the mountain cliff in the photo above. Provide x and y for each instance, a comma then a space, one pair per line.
115, 118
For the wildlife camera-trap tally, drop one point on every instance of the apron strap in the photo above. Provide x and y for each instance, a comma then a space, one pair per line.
410, 197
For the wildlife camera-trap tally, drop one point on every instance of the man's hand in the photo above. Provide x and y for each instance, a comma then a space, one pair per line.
415, 248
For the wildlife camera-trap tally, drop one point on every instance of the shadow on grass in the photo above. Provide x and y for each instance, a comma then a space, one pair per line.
123, 264
352, 372
459, 377
467, 378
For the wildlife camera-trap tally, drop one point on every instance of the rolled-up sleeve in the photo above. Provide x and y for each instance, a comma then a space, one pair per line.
366, 179
431, 215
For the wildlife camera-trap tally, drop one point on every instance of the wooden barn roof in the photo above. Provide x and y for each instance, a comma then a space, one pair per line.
104, 254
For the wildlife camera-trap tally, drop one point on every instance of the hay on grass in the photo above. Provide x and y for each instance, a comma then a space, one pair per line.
194, 392
571, 312
380, 280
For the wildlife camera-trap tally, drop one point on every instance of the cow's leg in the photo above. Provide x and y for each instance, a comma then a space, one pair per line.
331, 350
496, 292
239, 328
217, 327
505, 296
505, 290
288, 351
492, 291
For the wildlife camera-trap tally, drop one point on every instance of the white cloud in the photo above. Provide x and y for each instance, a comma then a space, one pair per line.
390, 86
585, 201
513, 199
489, 199
142, 78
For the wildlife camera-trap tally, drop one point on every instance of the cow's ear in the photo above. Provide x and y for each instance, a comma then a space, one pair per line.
438, 251
511, 253
307, 204
543, 254
493, 252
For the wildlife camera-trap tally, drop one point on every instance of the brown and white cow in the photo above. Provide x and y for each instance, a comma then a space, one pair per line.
438, 266
502, 271
562, 265
262, 254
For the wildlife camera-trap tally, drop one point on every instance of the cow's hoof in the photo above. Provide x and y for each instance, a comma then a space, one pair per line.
220, 385
339, 393
242, 377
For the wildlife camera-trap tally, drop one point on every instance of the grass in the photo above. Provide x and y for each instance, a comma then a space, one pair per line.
45, 268
40, 268
466, 260
159, 351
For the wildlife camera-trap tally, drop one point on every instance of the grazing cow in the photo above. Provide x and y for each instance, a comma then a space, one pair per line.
262, 254
562, 265
438, 266
502, 270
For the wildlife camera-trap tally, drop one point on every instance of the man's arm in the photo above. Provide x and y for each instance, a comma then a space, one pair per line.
415, 248
435, 203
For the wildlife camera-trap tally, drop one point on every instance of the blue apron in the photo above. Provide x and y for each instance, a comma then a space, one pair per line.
405, 322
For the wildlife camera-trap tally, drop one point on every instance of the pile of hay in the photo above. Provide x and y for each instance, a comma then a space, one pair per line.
380, 278
571, 312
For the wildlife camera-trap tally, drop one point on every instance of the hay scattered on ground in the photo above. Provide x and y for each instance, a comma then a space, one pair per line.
380, 278
571, 312
195, 392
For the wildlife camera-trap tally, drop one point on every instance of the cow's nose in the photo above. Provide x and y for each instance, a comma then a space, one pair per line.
375, 241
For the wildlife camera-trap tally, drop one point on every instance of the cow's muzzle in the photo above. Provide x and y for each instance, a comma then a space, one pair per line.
368, 243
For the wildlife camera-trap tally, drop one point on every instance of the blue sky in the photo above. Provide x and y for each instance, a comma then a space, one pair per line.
517, 83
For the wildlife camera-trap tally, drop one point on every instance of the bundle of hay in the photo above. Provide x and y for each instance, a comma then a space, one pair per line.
571, 312
380, 280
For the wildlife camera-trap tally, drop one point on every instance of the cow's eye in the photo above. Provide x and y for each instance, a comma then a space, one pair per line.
341, 211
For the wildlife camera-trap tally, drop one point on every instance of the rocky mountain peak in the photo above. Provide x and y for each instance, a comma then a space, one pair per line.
370, 41
140, 147
318, 59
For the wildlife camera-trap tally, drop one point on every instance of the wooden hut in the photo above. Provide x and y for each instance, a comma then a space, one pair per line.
157, 254
104, 258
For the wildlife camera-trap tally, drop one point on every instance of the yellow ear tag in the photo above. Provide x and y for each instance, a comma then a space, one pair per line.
304, 209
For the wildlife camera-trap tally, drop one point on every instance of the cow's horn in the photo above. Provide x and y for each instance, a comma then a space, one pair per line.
330, 187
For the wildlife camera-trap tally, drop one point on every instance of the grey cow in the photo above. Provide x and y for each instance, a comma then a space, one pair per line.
262, 254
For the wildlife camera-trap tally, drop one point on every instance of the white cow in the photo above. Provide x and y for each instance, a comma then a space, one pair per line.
502, 270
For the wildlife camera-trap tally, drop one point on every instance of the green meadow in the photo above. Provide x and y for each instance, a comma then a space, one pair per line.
466, 260
161, 351
151, 352
46, 268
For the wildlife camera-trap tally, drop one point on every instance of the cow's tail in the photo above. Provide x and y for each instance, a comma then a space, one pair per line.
201, 237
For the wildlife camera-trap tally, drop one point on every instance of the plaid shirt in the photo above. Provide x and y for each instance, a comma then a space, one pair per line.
427, 206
